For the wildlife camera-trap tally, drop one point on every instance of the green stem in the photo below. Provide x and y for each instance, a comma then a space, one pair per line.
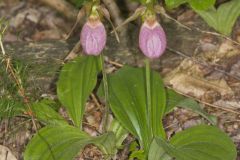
148, 85
105, 86
150, 4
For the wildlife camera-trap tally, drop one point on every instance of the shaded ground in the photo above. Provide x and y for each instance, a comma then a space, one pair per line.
35, 39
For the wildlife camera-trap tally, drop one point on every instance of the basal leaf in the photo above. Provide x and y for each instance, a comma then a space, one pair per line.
195, 4
173, 99
79, 3
139, 155
227, 16
224, 18
127, 96
191, 104
159, 152
201, 4
76, 82
176, 100
107, 144
46, 114
120, 133
197, 143
174, 3
64, 143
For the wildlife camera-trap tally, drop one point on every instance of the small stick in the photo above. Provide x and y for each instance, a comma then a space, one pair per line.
206, 103
106, 14
217, 34
115, 63
80, 15
73, 53
135, 15
96, 101
160, 10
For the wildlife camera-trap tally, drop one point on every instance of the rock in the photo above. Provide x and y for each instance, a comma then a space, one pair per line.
42, 61
6, 154
30, 14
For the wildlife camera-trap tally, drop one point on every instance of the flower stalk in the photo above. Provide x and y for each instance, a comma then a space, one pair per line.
148, 89
105, 87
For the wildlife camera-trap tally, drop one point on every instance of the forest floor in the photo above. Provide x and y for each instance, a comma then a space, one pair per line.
198, 64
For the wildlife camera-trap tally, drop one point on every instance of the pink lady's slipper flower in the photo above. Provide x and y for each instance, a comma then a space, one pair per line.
152, 39
93, 36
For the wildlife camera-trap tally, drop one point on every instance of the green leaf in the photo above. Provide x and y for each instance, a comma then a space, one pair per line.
127, 96
174, 3
176, 100
197, 143
64, 143
173, 99
191, 104
195, 4
201, 4
46, 114
224, 18
159, 152
78, 3
139, 154
76, 82
120, 133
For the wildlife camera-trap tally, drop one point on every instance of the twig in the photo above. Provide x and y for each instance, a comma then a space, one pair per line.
160, 10
80, 15
138, 12
96, 101
92, 127
216, 34
106, 14
115, 63
73, 53
206, 103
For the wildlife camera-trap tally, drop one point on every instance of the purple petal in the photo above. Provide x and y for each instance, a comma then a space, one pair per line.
93, 38
152, 40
